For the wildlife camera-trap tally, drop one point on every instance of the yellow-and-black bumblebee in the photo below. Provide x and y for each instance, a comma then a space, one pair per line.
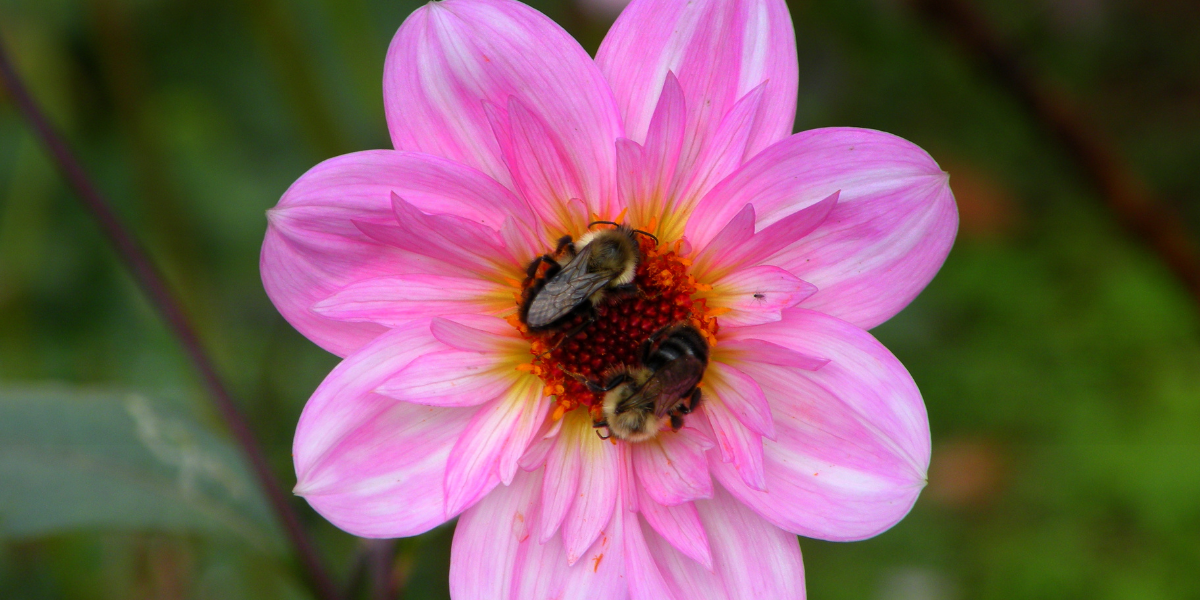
639, 401
599, 261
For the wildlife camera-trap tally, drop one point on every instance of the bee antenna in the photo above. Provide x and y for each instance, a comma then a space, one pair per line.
645, 233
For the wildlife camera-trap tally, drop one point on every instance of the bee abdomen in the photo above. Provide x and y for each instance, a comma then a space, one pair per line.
683, 341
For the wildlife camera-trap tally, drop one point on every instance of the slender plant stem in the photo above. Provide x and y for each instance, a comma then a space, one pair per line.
1126, 195
383, 554
135, 258
372, 568
356, 573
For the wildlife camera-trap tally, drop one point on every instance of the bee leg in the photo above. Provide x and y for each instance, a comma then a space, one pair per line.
615, 381
577, 377
644, 349
532, 269
648, 345
563, 242
578, 328
627, 289
693, 401
676, 422
602, 425
596, 388
570, 334
608, 386
592, 386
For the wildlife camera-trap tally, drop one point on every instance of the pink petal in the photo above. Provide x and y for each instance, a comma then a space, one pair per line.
598, 491
665, 135
719, 50
370, 464
449, 378
457, 241
626, 479
386, 480
737, 245
489, 538
544, 440
496, 556
736, 233
672, 468
679, 525
633, 182
751, 557
742, 396
394, 300
645, 176
504, 423
739, 446
646, 582
536, 453
600, 572
313, 249
852, 443
519, 242
543, 170
756, 295
749, 349
562, 484
892, 228
477, 365
667, 189
477, 333
522, 436
449, 58
722, 154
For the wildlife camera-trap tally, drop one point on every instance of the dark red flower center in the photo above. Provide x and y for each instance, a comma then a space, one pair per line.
595, 342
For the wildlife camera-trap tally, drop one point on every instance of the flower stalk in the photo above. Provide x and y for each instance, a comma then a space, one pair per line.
1125, 193
135, 258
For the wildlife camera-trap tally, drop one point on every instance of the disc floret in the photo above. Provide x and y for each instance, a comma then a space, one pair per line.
597, 341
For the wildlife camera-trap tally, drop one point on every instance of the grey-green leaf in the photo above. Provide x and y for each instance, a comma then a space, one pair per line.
85, 459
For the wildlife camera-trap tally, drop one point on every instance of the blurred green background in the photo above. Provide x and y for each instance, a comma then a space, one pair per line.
1059, 359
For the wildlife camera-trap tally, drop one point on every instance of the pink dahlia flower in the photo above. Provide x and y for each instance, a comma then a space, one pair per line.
783, 249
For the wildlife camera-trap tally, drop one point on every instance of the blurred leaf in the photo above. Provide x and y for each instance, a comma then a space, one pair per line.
77, 458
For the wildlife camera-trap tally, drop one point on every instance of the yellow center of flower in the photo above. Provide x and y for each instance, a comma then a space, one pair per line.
593, 343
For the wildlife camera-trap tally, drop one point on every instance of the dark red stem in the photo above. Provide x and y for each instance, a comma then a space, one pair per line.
152, 284
1124, 192
382, 555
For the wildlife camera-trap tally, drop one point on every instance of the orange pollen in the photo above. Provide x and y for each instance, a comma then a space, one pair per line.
621, 323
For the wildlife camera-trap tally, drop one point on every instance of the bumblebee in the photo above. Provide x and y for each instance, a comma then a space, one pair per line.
640, 401
580, 273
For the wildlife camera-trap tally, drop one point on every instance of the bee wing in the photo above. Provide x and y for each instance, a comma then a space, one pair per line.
566, 290
675, 379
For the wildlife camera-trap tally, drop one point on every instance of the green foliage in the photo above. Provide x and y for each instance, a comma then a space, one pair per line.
77, 459
1059, 361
